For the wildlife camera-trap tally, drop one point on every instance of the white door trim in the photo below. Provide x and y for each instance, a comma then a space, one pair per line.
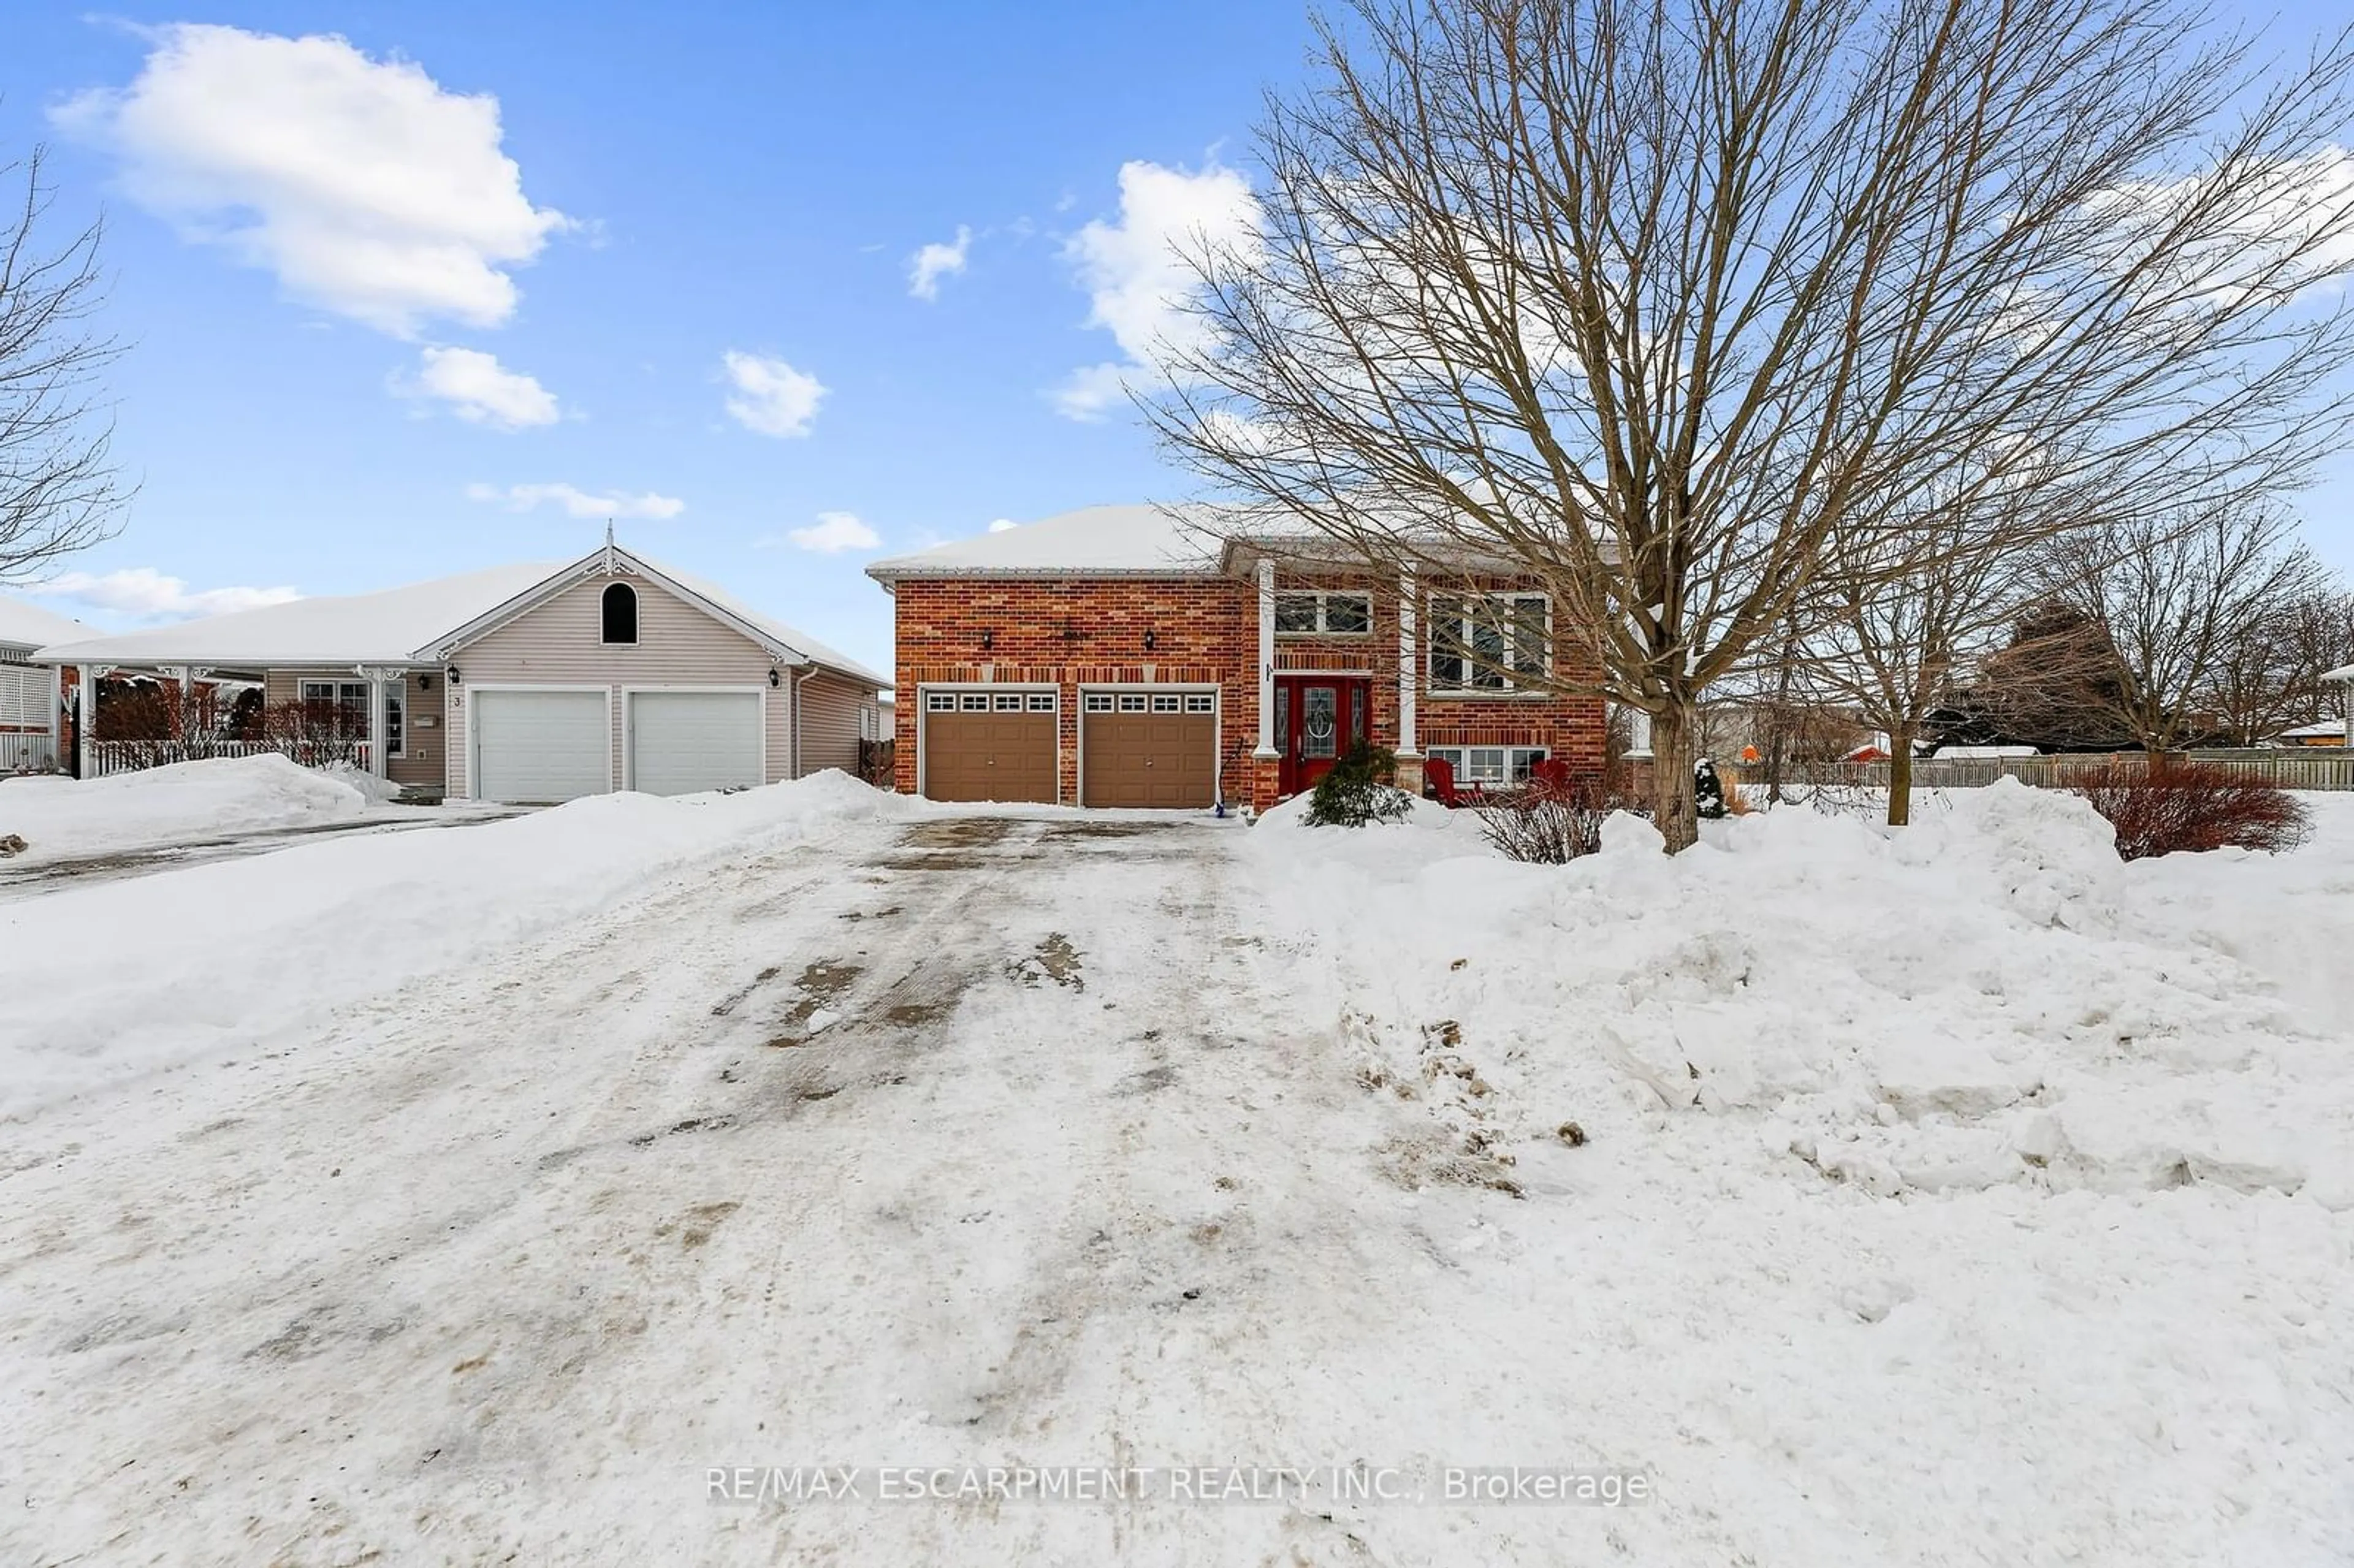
474, 744
630, 720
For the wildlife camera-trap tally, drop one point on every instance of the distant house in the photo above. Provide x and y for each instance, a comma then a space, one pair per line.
32, 696
535, 683
2328, 732
1124, 656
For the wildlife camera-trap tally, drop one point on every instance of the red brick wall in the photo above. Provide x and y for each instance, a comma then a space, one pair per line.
1086, 632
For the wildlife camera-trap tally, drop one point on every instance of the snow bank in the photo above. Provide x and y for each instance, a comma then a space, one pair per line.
138, 975
1987, 997
68, 817
1951, 1193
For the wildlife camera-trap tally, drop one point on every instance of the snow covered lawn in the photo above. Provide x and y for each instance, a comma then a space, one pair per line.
63, 818
1963, 1198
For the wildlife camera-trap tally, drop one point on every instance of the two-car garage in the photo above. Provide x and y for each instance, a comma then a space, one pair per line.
541, 745
1136, 747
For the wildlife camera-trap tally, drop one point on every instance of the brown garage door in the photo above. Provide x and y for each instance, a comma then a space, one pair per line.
989, 746
1157, 748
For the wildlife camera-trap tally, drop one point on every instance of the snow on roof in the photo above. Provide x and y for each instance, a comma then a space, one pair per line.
1096, 541
25, 625
393, 627
384, 627
2343, 672
2327, 727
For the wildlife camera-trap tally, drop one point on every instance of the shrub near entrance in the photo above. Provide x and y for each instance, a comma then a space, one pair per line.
1357, 790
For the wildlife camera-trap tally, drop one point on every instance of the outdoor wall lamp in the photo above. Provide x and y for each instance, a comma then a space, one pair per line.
988, 639
775, 678
1149, 639
453, 673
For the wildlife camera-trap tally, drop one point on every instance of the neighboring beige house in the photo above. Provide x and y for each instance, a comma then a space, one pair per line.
30, 695
536, 682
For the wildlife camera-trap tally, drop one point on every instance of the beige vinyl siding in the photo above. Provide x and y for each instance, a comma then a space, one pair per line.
427, 746
559, 644
830, 704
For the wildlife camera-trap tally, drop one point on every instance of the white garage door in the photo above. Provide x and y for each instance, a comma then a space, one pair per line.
684, 741
539, 747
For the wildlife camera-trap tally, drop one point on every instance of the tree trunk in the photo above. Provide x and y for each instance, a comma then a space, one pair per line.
1674, 811
1900, 779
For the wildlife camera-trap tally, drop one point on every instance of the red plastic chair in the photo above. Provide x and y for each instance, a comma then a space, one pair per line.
1438, 778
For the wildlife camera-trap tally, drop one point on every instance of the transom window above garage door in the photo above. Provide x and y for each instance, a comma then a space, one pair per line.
988, 702
1149, 702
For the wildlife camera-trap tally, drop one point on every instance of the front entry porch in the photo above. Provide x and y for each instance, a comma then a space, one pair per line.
1318, 717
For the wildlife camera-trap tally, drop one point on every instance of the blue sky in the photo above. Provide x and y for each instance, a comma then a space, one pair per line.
349, 371
752, 180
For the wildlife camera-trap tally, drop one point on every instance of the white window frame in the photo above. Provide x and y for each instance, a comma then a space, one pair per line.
1507, 681
1516, 763
336, 686
1324, 597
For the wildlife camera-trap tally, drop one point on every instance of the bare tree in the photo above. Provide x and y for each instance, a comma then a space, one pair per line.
2176, 597
59, 490
2269, 677
1648, 301
1908, 603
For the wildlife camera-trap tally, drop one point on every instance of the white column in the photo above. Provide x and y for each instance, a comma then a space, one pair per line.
1265, 660
186, 674
1409, 663
86, 721
376, 725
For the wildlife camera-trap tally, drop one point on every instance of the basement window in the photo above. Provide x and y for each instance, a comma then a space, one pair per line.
1491, 765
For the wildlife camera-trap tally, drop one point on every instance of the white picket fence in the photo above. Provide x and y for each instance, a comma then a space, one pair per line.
111, 757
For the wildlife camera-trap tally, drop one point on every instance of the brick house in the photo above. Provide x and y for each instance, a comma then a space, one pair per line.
1124, 656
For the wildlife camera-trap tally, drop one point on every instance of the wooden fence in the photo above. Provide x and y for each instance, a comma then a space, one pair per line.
2313, 768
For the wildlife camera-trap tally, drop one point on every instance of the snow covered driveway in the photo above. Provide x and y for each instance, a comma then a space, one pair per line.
910, 1138
966, 1140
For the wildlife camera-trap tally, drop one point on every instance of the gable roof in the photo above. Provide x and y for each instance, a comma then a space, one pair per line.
419, 623
788, 643
26, 625
1094, 542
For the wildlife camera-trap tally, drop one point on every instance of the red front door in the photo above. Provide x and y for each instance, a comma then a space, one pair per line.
1316, 718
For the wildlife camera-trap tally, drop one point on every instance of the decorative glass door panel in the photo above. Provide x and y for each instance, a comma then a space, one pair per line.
1320, 722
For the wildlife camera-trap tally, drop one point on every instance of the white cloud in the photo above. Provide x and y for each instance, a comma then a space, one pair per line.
479, 389
1137, 275
579, 503
835, 532
1001, 525
363, 186
146, 594
772, 397
935, 261
1087, 394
